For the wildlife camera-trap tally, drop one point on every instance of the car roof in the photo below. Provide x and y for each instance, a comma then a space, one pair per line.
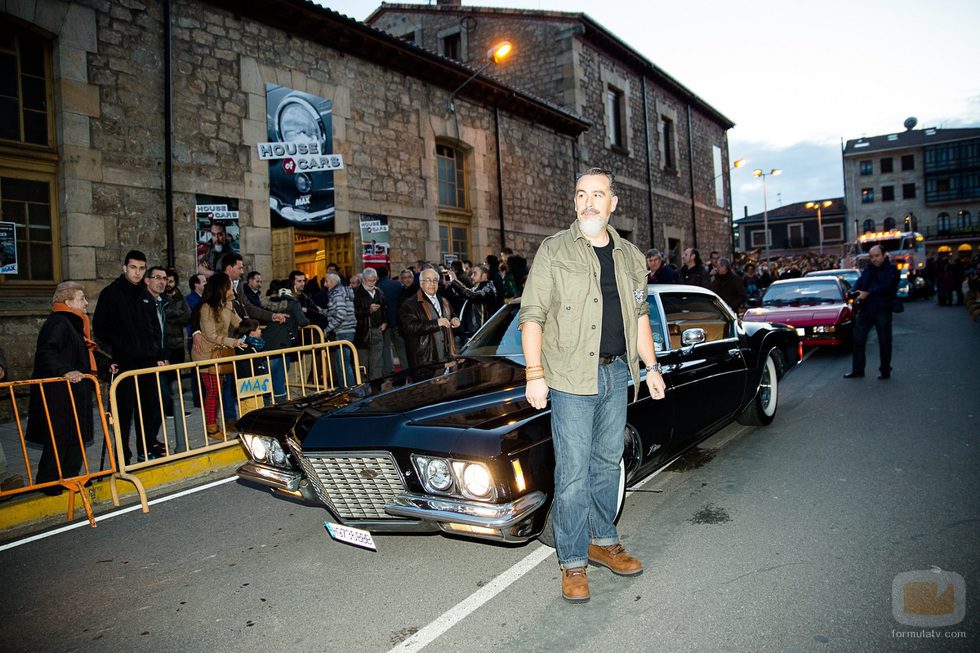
682, 287
806, 280
827, 273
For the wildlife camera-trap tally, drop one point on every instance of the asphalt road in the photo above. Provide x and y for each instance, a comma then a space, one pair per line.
782, 538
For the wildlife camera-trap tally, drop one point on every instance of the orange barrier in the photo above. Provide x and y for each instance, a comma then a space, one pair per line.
61, 444
308, 369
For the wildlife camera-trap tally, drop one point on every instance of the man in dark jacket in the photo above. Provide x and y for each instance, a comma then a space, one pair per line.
130, 331
659, 272
371, 311
877, 288
427, 321
478, 301
727, 285
693, 273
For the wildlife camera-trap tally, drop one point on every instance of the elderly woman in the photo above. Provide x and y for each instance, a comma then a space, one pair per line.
214, 317
65, 349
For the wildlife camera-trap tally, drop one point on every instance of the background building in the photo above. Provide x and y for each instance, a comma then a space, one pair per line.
924, 179
794, 230
667, 147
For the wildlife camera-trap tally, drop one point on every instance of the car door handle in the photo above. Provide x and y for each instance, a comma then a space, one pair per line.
732, 353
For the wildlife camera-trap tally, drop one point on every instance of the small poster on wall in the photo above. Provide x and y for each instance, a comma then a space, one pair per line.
375, 246
8, 248
217, 231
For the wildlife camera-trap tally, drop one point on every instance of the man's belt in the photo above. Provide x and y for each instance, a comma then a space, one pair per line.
606, 360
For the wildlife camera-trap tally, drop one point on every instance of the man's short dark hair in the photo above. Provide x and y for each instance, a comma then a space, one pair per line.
134, 255
293, 275
173, 273
599, 171
251, 275
382, 273
507, 251
194, 280
230, 259
152, 269
654, 252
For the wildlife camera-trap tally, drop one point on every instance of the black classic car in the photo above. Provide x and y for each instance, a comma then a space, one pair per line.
456, 447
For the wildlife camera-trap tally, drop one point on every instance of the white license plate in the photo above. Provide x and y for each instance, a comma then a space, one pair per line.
349, 535
801, 332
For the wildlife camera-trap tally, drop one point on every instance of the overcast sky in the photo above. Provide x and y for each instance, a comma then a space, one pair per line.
796, 77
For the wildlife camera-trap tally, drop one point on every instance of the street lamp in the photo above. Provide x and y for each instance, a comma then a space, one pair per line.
765, 203
495, 55
819, 206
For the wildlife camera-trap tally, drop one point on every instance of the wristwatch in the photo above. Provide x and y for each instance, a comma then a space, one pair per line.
655, 368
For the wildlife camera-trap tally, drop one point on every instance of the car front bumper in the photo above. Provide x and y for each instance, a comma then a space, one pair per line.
511, 522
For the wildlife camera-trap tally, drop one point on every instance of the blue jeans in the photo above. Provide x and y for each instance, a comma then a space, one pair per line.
882, 322
587, 432
345, 370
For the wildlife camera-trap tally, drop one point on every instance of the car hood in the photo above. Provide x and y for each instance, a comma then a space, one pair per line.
798, 316
424, 408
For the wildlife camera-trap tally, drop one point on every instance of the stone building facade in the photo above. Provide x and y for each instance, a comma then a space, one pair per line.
667, 147
89, 177
927, 180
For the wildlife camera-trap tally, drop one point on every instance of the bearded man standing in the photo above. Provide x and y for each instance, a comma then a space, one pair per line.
584, 324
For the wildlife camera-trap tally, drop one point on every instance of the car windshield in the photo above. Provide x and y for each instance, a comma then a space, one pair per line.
797, 294
847, 276
498, 337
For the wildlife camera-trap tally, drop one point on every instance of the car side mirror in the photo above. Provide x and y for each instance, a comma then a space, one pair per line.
692, 337
753, 302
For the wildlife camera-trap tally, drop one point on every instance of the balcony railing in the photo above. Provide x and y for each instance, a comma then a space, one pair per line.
933, 233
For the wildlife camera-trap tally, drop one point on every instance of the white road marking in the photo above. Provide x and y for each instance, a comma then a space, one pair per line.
110, 515
474, 601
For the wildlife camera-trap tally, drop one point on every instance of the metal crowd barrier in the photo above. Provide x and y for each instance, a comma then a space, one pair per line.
307, 369
75, 484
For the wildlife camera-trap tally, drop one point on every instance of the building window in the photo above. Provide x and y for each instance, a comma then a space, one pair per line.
450, 46
867, 195
964, 219
615, 114
942, 222
908, 191
908, 162
867, 167
454, 241
452, 176
868, 226
28, 182
888, 224
408, 37
886, 164
719, 170
887, 193
833, 233
667, 135
28, 202
759, 238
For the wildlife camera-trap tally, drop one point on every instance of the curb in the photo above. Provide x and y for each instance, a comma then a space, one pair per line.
21, 512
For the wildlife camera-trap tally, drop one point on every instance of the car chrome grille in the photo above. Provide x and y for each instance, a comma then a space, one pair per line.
355, 485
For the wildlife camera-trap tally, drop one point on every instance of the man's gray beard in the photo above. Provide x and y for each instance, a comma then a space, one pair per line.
592, 227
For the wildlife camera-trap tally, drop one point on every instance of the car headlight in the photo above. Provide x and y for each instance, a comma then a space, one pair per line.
265, 449
436, 474
830, 328
474, 479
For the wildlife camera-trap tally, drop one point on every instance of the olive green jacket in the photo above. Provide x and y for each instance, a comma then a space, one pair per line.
562, 294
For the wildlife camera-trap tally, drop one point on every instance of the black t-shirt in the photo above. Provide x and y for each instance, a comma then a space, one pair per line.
613, 339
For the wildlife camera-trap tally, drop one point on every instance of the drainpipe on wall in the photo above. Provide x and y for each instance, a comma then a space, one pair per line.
500, 175
646, 139
168, 163
690, 157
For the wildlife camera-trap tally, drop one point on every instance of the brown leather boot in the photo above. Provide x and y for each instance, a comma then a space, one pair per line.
575, 585
616, 559
215, 432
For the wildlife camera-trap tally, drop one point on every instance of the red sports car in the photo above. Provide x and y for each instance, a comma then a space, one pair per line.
817, 307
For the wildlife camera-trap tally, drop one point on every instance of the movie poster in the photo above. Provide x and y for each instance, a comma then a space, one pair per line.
8, 248
375, 252
301, 159
217, 231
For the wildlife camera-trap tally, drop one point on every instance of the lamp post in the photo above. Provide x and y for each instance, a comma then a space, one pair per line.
737, 163
495, 55
765, 203
819, 206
